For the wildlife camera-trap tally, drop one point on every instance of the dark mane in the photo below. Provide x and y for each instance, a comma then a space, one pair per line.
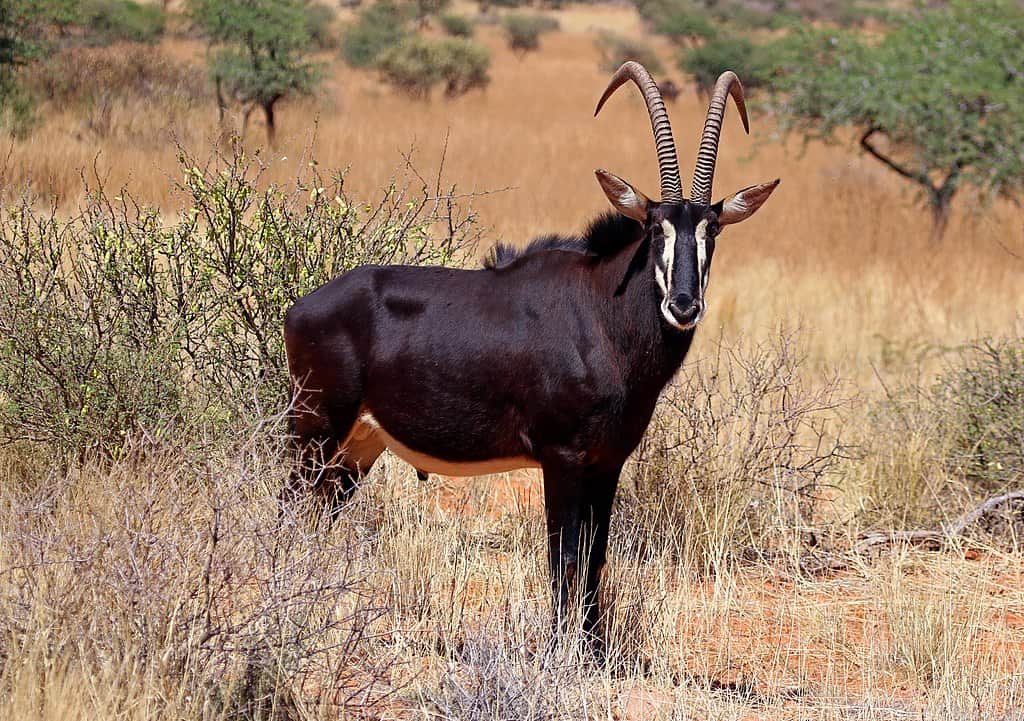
605, 236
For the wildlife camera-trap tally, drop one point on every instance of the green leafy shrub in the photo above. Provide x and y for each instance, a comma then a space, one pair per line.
616, 49
116, 321
681, 20
523, 31
681, 25
981, 402
936, 449
423, 9
706, 62
319, 20
378, 29
417, 64
458, 26
17, 111
464, 66
413, 66
112, 20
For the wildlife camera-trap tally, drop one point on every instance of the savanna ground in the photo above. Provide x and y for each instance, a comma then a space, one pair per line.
161, 583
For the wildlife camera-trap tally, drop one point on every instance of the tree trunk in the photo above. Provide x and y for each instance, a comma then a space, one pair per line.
940, 207
222, 103
940, 198
268, 111
245, 118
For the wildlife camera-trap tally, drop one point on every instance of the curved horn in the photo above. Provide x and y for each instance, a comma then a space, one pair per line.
668, 163
704, 172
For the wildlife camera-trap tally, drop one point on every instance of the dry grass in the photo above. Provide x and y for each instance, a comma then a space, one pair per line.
167, 588
164, 586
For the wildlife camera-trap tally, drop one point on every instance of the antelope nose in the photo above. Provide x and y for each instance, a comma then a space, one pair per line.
685, 308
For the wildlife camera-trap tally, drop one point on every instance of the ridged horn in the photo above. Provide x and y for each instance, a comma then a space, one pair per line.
704, 172
668, 163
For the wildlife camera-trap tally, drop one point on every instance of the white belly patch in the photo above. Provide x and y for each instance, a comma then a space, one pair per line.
368, 425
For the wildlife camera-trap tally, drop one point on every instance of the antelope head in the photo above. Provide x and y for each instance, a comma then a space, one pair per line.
681, 231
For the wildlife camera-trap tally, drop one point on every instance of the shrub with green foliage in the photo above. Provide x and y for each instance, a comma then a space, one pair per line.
680, 20
21, 41
417, 64
458, 26
934, 449
319, 19
727, 52
117, 321
464, 66
980, 401
616, 49
523, 31
378, 29
692, 20
112, 20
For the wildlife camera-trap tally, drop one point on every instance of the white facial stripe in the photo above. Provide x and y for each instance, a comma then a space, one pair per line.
701, 234
668, 255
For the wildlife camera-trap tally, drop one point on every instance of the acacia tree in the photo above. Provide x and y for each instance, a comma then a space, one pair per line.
260, 52
939, 101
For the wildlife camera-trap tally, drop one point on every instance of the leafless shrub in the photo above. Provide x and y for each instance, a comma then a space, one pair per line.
495, 677
738, 451
122, 89
177, 569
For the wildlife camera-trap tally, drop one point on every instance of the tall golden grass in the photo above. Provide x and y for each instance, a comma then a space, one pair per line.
165, 586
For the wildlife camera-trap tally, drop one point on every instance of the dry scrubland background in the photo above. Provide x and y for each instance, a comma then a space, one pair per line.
161, 584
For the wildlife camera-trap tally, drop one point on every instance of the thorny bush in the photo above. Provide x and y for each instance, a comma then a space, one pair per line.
170, 579
736, 456
117, 320
938, 448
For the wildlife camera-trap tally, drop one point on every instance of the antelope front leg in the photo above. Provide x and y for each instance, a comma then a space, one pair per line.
598, 493
578, 502
563, 504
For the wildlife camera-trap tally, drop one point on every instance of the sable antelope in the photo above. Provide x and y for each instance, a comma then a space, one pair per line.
552, 356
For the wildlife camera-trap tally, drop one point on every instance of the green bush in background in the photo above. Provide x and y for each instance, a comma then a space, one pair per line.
417, 64
523, 31
726, 52
458, 26
377, 29
616, 49
111, 20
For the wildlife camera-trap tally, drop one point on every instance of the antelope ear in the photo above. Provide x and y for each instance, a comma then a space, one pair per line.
740, 206
627, 200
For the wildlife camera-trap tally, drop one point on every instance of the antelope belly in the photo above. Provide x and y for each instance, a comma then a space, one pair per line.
430, 464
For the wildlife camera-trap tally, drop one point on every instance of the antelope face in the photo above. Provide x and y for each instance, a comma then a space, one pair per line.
682, 242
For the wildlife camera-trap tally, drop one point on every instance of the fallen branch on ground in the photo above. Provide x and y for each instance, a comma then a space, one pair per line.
936, 539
